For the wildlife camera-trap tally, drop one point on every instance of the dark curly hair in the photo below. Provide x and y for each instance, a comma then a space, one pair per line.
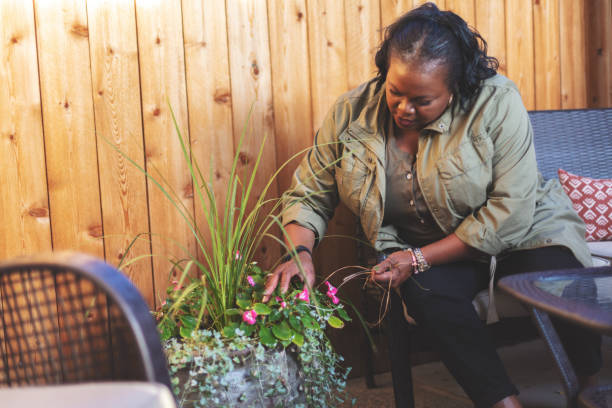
431, 35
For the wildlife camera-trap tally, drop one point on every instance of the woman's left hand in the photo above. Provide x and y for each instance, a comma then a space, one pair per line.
396, 268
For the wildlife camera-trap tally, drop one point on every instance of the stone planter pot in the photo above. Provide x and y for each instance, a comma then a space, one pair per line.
268, 378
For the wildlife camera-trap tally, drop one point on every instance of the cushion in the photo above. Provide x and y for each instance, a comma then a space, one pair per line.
601, 249
506, 305
592, 200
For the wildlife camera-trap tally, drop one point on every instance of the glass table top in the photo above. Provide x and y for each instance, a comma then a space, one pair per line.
592, 291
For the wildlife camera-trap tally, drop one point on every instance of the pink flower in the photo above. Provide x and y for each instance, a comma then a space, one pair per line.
303, 295
331, 293
250, 316
281, 301
331, 290
176, 285
250, 280
238, 256
163, 303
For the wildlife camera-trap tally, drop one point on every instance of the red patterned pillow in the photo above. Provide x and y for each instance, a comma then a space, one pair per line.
592, 200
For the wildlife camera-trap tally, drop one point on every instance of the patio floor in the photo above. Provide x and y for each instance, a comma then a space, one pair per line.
529, 365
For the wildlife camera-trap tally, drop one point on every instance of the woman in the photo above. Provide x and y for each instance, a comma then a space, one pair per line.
436, 158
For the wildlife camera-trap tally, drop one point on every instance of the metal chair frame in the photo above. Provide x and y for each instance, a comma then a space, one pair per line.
127, 333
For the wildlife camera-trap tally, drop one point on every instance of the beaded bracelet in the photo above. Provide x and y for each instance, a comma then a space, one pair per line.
413, 262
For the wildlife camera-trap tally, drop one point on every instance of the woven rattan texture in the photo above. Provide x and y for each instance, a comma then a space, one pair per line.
579, 141
55, 328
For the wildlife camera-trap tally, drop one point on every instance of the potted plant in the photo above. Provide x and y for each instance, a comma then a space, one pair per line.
224, 346
273, 354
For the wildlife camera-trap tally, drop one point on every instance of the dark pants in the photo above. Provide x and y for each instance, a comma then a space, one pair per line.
441, 303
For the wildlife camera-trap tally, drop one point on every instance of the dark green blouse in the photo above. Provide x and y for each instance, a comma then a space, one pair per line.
405, 207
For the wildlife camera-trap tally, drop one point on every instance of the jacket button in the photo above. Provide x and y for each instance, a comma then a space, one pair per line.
409, 176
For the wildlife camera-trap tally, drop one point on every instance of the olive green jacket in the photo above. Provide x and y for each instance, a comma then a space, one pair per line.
477, 171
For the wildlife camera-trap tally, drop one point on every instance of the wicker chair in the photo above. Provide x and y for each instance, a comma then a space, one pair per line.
70, 318
578, 141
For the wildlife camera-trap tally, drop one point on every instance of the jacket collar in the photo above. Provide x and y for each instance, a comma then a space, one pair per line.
443, 123
369, 127
374, 115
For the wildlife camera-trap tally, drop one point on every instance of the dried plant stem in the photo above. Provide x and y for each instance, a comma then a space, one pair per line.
384, 306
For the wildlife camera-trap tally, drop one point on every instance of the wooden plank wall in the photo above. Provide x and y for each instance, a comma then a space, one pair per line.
78, 74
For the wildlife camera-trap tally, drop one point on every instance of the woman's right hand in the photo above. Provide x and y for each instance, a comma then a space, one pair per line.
286, 271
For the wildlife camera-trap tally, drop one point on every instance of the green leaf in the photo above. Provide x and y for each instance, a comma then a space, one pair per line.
298, 339
344, 315
166, 332
243, 303
266, 337
249, 329
302, 308
295, 323
335, 322
233, 312
275, 316
229, 332
282, 331
189, 322
262, 309
309, 322
257, 272
286, 343
185, 332
260, 280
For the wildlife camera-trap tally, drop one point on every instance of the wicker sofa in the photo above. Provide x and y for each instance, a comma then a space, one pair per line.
578, 141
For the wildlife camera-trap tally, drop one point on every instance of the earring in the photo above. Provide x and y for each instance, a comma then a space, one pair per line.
450, 100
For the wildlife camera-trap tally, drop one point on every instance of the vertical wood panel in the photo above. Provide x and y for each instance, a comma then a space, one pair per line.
546, 48
291, 82
490, 21
23, 197
465, 9
362, 39
24, 204
209, 98
519, 48
251, 81
440, 3
599, 52
68, 118
327, 42
573, 55
162, 73
392, 9
116, 90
